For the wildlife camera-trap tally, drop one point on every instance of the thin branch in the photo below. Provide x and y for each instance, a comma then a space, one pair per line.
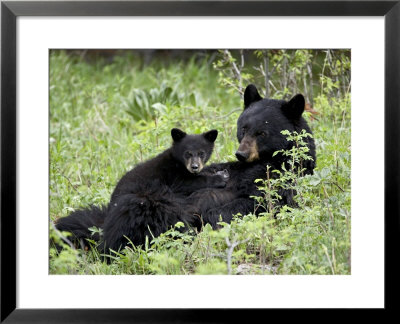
62, 237
229, 251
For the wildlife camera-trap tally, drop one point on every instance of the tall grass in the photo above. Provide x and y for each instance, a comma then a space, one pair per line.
106, 116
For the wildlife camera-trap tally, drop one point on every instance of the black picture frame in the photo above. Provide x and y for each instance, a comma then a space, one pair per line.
10, 10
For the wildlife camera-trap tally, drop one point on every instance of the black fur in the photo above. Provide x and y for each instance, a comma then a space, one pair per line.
156, 194
259, 134
149, 199
79, 222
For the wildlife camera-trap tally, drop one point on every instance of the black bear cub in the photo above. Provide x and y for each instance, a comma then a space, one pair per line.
149, 199
177, 167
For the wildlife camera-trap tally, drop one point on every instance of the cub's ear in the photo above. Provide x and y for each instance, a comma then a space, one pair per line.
211, 135
295, 107
251, 95
177, 134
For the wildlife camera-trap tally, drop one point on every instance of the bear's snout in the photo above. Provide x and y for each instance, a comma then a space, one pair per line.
194, 165
242, 156
248, 150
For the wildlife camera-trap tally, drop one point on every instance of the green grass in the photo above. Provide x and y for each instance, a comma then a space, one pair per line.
105, 117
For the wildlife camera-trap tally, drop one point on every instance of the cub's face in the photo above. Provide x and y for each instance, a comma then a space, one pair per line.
260, 124
193, 151
194, 160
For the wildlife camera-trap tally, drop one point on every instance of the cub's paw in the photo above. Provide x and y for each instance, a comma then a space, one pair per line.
224, 174
218, 181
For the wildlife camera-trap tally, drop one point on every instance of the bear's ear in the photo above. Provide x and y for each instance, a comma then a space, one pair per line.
251, 95
177, 134
295, 107
211, 135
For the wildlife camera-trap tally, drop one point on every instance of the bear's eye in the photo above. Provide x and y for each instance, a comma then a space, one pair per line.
260, 134
201, 154
188, 154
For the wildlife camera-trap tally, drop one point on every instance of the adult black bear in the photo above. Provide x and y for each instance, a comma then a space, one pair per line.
259, 134
149, 199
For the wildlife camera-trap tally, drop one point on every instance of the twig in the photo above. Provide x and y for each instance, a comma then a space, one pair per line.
69, 181
229, 251
337, 185
267, 74
327, 205
235, 68
240, 89
66, 240
329, 259
230, 113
